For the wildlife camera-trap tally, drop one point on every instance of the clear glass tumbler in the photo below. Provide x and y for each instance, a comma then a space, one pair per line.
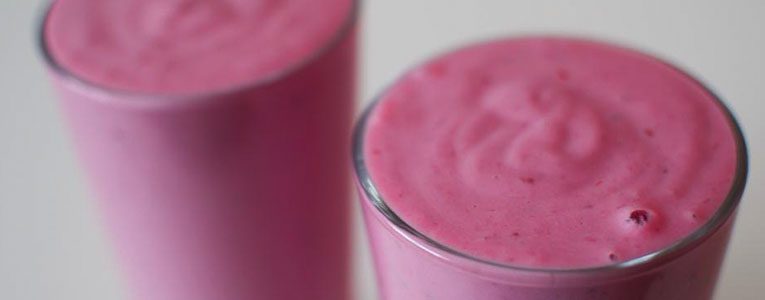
411, 265
230, 194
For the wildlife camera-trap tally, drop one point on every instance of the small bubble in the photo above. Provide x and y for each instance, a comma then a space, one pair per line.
639, 217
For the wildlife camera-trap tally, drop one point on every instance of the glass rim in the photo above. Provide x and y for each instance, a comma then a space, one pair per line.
726, 209
346, 28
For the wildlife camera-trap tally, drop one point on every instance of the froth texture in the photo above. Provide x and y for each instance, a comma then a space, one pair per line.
547, 152
186, 46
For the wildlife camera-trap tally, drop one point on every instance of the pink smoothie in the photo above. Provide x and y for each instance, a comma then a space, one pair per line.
215, 137
185, 46
547, 153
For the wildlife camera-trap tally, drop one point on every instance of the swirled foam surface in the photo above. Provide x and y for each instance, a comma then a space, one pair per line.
186, 46
550, 152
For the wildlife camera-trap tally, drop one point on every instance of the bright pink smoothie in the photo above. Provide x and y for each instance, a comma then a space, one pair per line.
215, 137
184, 46
547, 153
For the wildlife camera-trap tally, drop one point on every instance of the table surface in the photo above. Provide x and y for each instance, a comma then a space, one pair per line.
51, 246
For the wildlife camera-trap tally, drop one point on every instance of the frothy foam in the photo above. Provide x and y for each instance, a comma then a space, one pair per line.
550, 152
185, 46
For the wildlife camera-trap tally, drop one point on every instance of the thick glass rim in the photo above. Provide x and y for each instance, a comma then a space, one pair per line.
721, 216
347, 28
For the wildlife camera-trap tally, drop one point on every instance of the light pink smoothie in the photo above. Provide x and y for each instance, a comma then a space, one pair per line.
214, 134
548, 168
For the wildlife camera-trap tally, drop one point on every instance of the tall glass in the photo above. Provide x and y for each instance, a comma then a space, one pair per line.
411, 265
234, 194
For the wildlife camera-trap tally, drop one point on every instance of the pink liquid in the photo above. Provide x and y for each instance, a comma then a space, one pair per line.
219, 163
547, 153
185, 46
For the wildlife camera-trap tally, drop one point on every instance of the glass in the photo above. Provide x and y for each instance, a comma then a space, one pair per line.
239, 193
411, 265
